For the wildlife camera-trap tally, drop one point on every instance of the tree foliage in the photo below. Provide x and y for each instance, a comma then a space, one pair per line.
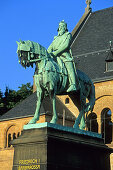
10, 98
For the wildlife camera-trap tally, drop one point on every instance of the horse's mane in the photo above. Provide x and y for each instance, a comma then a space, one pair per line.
36, 48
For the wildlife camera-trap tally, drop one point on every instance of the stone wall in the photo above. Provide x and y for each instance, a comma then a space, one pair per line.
6, 158
14, 128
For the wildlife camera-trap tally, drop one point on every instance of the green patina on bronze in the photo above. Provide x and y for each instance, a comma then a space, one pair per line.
55, 73
60, 48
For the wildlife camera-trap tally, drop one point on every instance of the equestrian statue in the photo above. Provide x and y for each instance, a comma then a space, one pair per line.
56, 74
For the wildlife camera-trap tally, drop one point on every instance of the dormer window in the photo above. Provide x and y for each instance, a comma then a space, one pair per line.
109, 66
109, 60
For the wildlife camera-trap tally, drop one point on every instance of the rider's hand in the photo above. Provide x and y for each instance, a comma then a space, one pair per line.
55, 53
52, 54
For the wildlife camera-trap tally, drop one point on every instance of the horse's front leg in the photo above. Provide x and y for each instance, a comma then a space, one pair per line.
38, 105
54, 118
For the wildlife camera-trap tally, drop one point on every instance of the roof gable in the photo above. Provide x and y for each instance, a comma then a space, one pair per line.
91, 46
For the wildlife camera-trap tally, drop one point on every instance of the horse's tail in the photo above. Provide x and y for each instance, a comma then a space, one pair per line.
88, 90
91, 98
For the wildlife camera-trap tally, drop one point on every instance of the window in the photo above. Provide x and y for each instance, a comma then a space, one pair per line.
9, 140
106, 125
91, 122
18, 134
67, 101
109, 66
14, 135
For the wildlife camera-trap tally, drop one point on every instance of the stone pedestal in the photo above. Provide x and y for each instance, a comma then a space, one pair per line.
53, 147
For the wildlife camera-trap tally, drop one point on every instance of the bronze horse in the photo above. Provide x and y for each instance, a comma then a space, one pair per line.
52, 79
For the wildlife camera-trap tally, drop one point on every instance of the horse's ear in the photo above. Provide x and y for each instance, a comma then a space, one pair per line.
21, 41
17, 42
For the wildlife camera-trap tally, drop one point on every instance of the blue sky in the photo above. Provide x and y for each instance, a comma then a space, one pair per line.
35, 20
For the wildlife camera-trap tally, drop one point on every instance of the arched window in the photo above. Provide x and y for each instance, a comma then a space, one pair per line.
106, 125
9, 140
91, 122
11, 133
67, 101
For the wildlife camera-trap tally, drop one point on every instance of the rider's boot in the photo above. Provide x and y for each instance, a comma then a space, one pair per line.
72, 82
72, 77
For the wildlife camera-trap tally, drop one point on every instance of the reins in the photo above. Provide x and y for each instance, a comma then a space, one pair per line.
35, 60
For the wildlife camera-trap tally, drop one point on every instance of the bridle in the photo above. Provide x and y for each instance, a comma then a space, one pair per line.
35, 60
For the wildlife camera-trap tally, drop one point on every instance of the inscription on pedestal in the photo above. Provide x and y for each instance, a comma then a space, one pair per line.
29, 164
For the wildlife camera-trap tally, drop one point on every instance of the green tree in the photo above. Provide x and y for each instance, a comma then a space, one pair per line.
11, 97
1, 102
24, 91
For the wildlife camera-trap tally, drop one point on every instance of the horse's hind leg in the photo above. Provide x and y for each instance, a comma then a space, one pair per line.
82, 122
54, 118
78, 120
38, 105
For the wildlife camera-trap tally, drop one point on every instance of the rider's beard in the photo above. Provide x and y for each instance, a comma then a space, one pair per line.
61, 32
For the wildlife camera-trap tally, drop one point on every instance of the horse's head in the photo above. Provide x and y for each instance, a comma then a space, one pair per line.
23, 51
30, 52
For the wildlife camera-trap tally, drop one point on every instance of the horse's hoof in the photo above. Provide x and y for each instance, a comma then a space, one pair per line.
32, 121
53, 121
75, 126
82, 127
